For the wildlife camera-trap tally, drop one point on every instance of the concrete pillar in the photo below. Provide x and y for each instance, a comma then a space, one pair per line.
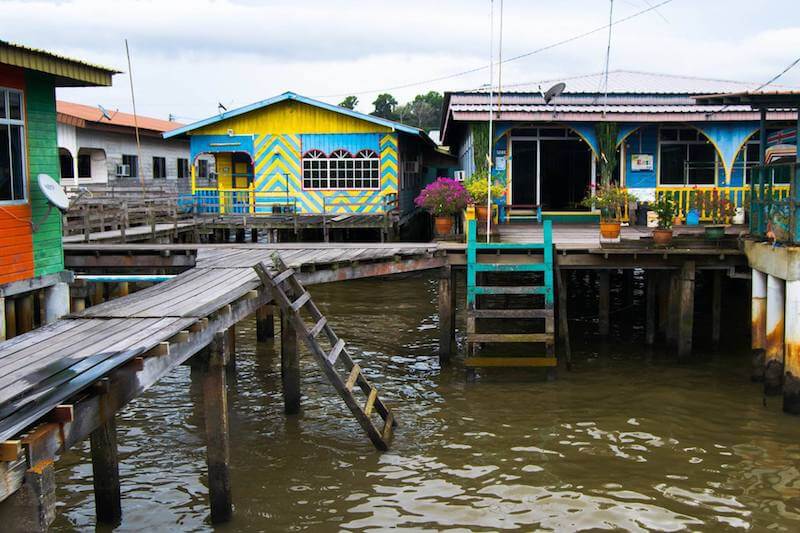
758, 323
791, 377
265, 323
56, 302
447, 312
215, 405
105, 473
604, 302
290, 367
32, 508
773, 355
686, 310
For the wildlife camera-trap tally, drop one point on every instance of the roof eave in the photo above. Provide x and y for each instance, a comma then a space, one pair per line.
66, 71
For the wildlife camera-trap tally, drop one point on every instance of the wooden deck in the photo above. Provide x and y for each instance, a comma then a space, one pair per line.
133, 234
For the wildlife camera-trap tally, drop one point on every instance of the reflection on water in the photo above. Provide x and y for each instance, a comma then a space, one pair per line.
628, 440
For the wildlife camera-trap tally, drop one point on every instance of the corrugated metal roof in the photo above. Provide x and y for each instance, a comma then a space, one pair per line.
118, 118
635, 82
69, 72
596, 108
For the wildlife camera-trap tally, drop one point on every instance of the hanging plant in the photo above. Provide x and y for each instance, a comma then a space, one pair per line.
607, 133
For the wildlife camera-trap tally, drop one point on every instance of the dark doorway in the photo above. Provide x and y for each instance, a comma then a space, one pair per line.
566, 173
523, 173
65, 161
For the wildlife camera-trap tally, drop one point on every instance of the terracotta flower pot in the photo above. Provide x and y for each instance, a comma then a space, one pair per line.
662, 237
609, 230
443, 225
481, 214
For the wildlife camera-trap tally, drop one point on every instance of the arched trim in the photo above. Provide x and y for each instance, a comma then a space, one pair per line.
215, 154
728, 139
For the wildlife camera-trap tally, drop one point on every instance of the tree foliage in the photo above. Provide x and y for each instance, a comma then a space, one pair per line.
423, 112
385, 105
349, 102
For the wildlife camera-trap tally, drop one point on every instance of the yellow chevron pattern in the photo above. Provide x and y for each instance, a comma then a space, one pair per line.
389, 163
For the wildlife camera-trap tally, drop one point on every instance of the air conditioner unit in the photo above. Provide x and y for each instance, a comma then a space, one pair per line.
411, 167
458, 175
123, 170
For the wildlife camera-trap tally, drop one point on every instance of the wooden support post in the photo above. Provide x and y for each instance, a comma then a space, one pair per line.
240, 235
673, 308
230, 356
215, 405
686, 309
663, 284
758, 323
254, 235
791, 376
78, 304
119, 289
627, 290
773, 356
11, 317
563, 319
32, 508
447, 312
2, 319
105, 473
604, 302
650, 307
265, 323
290, 367
97, 293
25, 313
716, 308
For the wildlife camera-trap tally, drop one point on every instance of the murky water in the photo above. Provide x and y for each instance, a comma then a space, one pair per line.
628, 440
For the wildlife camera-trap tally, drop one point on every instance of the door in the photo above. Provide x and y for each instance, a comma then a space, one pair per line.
523, 172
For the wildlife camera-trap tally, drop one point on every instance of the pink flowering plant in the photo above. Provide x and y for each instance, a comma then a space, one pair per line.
443, 197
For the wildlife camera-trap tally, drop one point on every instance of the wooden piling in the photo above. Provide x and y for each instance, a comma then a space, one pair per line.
663, 283
716, 308
673, 308
105, 473
11, 317
32, 508
563, 320
650, 307
791, 376
265, 323
254, 235
447, 311
758, 323
686, 310
2, 318
78, 304
230, 355
97, 293
215, 405
290, 367
25, 313
773, 355
240, 234
604, 302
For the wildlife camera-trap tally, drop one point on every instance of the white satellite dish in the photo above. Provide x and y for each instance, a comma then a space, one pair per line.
53, 192
554, 91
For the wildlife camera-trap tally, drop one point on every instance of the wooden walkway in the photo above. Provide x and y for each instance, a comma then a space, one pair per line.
133, 234
98, 360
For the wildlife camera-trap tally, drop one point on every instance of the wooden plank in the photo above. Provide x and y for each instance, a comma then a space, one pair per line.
511, 313
373, 394
318, 327
301, 301
510, 337
351, 379
485, 289
10, 450
483, 362
337, 349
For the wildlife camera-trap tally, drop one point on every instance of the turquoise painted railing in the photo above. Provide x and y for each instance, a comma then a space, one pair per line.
473, 266
774, 214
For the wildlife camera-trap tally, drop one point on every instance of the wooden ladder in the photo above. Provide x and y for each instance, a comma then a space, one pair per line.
292, 297
541, 260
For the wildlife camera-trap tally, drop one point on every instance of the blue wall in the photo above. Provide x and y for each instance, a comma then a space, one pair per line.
352, 142
642, 141
199, 144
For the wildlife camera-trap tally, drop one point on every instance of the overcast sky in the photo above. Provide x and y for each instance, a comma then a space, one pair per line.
188, 55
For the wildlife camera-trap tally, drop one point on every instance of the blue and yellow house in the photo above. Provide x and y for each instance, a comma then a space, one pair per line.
295, 154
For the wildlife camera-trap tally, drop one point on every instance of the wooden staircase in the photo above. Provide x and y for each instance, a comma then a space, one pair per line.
487, 265
294, 300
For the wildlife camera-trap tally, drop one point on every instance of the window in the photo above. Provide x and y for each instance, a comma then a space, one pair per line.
183, 168
341, 170
202, 168
84, 166
159, 167
12, 146
133, 164
686, 157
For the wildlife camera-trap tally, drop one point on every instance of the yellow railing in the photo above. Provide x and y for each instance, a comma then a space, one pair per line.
738, 196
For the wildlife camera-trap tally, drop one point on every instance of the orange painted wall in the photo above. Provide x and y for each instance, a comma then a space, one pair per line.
16, 241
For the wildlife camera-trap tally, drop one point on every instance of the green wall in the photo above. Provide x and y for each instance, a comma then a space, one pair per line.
40, 112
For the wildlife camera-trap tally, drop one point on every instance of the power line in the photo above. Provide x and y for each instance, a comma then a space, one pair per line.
784, 71
509, 60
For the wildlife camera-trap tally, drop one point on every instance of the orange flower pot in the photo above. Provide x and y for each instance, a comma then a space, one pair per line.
662, 237
481, 214
443, 225
609, 230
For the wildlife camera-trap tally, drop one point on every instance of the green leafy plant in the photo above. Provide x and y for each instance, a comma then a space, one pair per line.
609, 199
607, 133
476, 186
667, 209
480, 145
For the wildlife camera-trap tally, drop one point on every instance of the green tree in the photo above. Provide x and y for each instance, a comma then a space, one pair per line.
385, 105
424, 111
350, 102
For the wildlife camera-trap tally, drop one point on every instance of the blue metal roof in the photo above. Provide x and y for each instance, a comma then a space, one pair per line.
303, 99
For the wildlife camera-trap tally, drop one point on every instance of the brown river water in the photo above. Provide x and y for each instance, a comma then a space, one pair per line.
628, 440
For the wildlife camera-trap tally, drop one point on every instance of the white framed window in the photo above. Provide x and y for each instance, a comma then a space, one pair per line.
12, 147
686, 158
341, 170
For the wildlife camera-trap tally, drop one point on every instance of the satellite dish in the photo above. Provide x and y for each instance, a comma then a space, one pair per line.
554, 91
53, 192
104, 111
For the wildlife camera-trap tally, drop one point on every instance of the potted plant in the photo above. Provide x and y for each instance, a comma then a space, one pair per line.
477, 189
721, 210
611, 201
695, 207
443, 198
666, 208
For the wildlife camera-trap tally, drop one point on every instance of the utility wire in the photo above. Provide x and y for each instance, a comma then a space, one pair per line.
768, 82
608, 56
509, 60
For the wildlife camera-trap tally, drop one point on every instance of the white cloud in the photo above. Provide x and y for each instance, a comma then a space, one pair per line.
189, 55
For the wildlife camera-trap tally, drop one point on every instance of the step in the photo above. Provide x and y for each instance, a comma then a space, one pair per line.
283, 276
301, 301
511, 267
334, 355
487, 289
352, 378
510, 362
510, 313
318, 327
509, 337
